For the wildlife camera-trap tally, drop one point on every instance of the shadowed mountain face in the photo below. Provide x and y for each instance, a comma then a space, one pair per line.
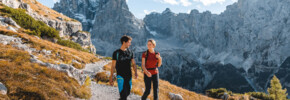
107, 20
240, 49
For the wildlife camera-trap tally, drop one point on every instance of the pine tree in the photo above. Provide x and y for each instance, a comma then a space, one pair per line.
276, 90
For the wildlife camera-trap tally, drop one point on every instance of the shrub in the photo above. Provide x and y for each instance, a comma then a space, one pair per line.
102, 76
108, 58
70, 44
217, 93
37, 28
77, 65
260, 95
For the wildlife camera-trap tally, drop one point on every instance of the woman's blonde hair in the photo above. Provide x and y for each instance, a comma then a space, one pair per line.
152, 41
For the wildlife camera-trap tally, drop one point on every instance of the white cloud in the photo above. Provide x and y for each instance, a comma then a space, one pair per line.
172, 2
127, 0
209, 2
185, 2
175, 2
149, 11
234, 0
198, 7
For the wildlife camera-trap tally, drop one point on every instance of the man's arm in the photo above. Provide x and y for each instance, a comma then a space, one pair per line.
112, 71
134, 67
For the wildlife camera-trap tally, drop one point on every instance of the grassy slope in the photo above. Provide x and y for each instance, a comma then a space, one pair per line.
60, 54
164, 88
45, 11
23, 78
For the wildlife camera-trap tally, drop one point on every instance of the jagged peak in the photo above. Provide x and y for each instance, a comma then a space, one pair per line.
194, 11
167, 10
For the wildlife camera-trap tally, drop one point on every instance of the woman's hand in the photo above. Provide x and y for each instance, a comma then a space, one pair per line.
158, 56
148, 73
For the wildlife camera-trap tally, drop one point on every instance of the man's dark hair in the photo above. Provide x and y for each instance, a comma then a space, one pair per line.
125, 38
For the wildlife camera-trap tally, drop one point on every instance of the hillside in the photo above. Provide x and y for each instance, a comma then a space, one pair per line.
239, 49
36, 68
45, 11
18, 65
27, 79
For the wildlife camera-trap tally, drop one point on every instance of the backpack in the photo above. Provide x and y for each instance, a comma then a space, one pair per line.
146, 57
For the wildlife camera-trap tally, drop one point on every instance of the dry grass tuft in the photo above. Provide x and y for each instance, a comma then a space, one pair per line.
59, 54
102, 76
25, 80
45, 11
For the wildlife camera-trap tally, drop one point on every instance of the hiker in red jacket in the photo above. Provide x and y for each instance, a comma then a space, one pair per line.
151, 60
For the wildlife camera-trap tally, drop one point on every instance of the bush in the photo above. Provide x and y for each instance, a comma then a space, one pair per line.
37, 28
70, 44
77, 65
108, 58
102, 76
260, 95
217, 93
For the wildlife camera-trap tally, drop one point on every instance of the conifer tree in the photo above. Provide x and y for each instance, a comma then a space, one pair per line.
276, 91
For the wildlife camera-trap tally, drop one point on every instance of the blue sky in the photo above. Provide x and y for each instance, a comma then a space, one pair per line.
142, 7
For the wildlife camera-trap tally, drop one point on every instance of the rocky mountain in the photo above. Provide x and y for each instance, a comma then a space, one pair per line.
68, 28
107, 20
239, 49
34, 68
250, 35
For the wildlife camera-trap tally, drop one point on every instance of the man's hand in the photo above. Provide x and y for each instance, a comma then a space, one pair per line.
111, 81
136, 75
112, 71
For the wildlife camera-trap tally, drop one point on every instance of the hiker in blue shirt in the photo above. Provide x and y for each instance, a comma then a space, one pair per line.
122, 60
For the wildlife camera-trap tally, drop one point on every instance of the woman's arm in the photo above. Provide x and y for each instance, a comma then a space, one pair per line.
159, 59
144, 68
159, 62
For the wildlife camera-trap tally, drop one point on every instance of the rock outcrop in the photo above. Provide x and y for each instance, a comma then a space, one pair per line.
67, 29
3, 89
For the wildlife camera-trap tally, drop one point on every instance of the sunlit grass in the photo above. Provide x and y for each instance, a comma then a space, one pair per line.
25, 80
59, 54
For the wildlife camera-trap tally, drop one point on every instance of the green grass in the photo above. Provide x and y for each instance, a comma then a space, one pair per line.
71, 44
108, 58
35, 27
